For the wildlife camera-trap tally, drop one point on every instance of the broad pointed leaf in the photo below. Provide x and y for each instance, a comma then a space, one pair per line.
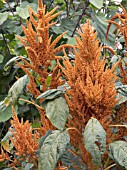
5, 112
118, 152
95, 140
13, 94
52, 149
57, 111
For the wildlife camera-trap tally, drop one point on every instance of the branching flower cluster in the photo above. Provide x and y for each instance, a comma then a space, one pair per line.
92, 91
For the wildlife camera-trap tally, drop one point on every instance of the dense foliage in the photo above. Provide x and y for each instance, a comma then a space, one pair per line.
63, 85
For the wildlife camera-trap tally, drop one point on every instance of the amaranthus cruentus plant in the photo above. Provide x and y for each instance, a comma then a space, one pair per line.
76, 101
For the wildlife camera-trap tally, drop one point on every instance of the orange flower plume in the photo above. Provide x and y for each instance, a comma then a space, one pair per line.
24, 141
40, 48
92, 90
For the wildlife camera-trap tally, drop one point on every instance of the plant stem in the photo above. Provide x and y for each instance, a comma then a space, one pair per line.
67, 7
10, 8
51, 4
80, 17
110, 166
118, 126
31, 103
73, 128
6, 45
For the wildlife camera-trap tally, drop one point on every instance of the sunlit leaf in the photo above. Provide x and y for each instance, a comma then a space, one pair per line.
3, 17
97, 3
23, 10
6, 146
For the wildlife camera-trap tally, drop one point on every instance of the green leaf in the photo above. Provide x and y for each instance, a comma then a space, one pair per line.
118, 152
50, 94
57, 111
3, 17
1, 4
1, 58
36, 125
122, 92
11, 61
71, 160
5, 112
67, 24
48, 80
12, 97
52, 149
12, 26
71, 40
17, 89
7, 136
97, 3
99, 22
95, 140
23, 10
42, 139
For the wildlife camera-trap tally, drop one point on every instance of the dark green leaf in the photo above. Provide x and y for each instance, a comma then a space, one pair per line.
68, 24
52, 149
99, 22
57, 111
7, 136
118, 152
70, 159
95, 140
42, 139
12, 97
